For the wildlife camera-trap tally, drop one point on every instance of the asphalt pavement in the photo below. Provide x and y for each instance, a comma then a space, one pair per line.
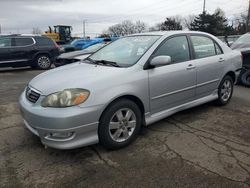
206, 146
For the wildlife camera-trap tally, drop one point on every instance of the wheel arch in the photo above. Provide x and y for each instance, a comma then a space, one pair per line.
232, 75
41, 53
133, 98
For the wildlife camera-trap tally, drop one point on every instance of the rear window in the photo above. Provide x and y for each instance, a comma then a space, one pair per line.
43, 41
23, 41
5, 42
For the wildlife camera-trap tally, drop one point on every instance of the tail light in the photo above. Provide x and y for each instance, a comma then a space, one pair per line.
57, 46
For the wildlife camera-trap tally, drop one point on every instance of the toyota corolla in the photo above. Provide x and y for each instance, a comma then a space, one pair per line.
132, 82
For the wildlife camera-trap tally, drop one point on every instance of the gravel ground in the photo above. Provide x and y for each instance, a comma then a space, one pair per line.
206, 146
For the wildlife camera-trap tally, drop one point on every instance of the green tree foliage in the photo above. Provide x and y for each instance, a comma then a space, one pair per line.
171, 24
215, 24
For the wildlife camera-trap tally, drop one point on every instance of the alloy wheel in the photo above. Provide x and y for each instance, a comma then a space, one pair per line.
122, 125
43, 62
226, 90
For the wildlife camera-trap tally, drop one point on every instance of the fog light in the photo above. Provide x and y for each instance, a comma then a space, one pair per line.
60, 136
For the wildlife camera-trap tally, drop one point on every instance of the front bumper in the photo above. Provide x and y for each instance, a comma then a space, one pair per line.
62, 128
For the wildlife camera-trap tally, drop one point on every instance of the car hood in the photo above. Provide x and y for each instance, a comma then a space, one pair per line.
73, 54
240, 46
76, 75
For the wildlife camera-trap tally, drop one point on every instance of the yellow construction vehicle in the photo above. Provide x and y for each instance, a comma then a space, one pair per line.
61, 34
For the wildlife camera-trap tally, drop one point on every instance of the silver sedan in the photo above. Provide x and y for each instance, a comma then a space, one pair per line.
132, 82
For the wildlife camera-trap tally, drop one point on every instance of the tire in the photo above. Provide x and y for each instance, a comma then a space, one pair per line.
43, 62
225, 90
58, 64
245, 78
239, 77
122, 131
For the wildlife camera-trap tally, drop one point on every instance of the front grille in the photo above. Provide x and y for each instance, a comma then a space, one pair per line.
32, 95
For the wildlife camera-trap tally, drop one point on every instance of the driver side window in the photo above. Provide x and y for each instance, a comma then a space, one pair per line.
177, 48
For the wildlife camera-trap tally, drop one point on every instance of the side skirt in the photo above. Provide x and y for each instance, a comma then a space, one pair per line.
163, 114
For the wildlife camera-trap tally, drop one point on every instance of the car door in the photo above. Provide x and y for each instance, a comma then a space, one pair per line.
21, 51
174, 84
209, 60
5, 46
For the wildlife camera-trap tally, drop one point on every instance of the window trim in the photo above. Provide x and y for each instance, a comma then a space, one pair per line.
14, 42
207, 36
147, 64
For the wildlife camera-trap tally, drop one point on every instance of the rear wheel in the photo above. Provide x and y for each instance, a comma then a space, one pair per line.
245, 78
225, 90
119, 124
43, 62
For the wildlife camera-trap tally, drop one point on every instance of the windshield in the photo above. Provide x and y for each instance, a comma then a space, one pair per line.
95, 47
125, 51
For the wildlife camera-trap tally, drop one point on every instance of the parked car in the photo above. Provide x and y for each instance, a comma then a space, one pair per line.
110, 95
243, 45
71, 57
81, 44
27, 50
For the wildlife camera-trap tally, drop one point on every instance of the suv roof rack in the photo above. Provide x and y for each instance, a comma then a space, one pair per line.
7, 35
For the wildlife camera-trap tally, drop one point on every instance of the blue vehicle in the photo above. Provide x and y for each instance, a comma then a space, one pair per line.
81, 44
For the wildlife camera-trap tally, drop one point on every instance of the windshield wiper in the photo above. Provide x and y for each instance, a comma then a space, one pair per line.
91, 60
105, 62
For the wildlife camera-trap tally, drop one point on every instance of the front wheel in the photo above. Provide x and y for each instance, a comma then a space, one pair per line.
225, 90
119, 124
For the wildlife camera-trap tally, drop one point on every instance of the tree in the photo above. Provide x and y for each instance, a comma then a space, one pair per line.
171, 23
156, 27
127, 27
140, 26
36, 30
188, 20
239, 23
215, 24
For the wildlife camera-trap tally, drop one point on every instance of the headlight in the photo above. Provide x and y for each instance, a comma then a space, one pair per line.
66, 98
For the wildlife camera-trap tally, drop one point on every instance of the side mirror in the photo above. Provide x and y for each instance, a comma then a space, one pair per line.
160, 61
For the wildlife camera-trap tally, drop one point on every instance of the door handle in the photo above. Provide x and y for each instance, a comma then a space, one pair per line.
221, 59
190, 67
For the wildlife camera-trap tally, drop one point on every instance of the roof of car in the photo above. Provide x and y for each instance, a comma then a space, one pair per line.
22, 35
161, 33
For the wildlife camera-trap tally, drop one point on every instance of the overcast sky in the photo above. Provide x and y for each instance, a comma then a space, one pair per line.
20, 16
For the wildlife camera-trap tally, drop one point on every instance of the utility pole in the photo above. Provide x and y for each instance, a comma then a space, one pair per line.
204, 6
248, 18
84, 28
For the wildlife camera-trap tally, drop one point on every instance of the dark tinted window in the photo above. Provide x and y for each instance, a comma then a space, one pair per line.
176, 47
23, 41
5, 42
203, 46
44, 41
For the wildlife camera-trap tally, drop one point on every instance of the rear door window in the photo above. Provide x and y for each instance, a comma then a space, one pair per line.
5, 42
218, 49
23, 41
203, 47
43, 41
